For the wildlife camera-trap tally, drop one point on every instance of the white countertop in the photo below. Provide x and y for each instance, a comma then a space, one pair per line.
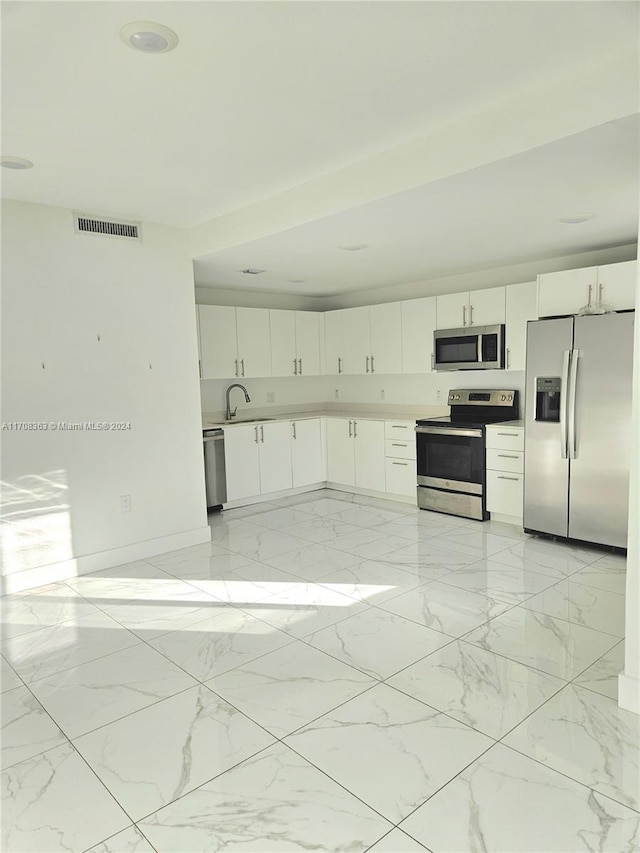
213, 420
517, 424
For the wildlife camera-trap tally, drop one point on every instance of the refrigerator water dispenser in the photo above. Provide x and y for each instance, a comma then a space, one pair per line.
548, 398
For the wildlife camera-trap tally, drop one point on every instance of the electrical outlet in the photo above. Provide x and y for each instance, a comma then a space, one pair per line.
438, 394
382, 393
336, 394
125, 503
271, 397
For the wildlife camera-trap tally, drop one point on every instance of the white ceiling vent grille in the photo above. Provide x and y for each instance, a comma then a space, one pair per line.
85, 224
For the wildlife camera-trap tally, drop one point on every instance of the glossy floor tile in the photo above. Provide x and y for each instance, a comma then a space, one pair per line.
330, 673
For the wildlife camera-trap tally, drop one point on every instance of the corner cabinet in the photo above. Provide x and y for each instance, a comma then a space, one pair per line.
295, 343
362, 341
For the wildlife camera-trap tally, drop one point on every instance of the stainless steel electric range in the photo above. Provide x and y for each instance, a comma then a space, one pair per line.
451, 451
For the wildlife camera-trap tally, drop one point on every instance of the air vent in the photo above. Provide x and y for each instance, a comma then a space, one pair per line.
252, 271
106, 227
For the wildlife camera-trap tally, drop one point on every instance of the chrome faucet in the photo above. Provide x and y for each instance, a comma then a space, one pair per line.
231, 414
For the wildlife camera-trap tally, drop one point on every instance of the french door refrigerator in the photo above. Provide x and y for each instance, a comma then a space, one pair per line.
578, 427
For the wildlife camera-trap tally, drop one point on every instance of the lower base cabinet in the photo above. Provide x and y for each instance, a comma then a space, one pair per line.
504, 471
306, 452
257, 459
355, 453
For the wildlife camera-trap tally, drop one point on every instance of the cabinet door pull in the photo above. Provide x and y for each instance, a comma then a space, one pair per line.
295, 366
242, 365
262, 434
367, 370
404, 464
339, 365
256, 429
507, 456
512, 434
350, 432
294, 430
300, 363
471, 315
600, 289
402, 445
515, 479
433, 362
372, 367
355, 424
464, 315
200, 368
508, 358
237, 367
399, 426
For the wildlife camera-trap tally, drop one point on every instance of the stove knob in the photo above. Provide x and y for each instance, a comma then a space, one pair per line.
457, 397
502, 397
510, 397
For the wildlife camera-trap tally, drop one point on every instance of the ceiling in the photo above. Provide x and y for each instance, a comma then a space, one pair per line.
261, 99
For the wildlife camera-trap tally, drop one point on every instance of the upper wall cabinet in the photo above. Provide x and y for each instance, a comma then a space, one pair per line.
364, 340
477, 308
612, 286
218, 342
521, 306
254, 342
418, 325
295, 343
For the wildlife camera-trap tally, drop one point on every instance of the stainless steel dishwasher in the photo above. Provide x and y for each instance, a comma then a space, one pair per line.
214, 467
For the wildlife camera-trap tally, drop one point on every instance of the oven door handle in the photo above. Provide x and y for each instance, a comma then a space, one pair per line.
473, 433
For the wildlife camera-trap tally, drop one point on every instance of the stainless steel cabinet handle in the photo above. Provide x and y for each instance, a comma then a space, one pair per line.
399, 426
399, 445
515, 479
471, 315
464, 315
300, 363
355, 433
339, 365
350, 432
590, 291
404, 464
262, 434
295, 366
433, 362
237, 367
372, 367
200, 368
600, 289
367, 370
256, 429
508, 358
294, 430
507, 456
470, 433
512, 434
242, 365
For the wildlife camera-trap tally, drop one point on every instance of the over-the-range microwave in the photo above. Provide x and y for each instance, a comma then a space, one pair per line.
471, 348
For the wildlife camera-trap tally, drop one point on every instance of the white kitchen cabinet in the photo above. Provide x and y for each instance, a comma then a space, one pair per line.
504, 472
306, 452
283, 343
477, 308
617, 285
418, 325
400, 458
386, 338
566, 292
334, 342
368, 441
452, 310
254, 342
521, 306
356, 341
242, 462
400, 477
275, 456
218, 344
341, 463
307, 325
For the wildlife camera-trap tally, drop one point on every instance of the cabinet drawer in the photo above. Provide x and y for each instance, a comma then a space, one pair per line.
505, 460
505, 438
400, 477
504, 493
400, 429
400, 449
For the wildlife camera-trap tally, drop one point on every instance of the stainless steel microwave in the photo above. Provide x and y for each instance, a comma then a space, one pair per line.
471, 348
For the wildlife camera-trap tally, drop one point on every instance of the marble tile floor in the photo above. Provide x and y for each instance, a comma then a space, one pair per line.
331, 672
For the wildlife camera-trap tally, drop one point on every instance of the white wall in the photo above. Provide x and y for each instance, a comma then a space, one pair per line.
288, 391
61, 292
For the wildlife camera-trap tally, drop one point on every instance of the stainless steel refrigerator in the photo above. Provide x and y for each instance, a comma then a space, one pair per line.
578, 427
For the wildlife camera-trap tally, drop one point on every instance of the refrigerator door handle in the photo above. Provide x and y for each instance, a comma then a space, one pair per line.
564, 403
571, 405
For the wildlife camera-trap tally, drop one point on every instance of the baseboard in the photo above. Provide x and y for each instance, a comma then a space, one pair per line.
40, 575
273, 496
507, 519
629, 693
356, 490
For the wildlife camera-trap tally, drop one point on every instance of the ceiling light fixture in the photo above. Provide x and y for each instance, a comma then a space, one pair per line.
576, 218
353, 247
149, 37
251, 271
16, 163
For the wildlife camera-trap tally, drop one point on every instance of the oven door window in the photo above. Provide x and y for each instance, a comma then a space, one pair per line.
451, 457
459, 350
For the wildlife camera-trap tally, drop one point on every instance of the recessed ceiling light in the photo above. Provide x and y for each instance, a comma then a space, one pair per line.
353, 247
149, 37
251, 271
576, 218
16, 163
